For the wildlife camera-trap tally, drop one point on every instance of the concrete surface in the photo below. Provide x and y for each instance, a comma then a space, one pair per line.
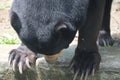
109, 67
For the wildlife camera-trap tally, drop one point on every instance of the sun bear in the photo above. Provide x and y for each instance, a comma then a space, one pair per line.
49, 26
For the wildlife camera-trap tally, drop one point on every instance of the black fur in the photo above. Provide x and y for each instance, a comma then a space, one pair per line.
105, 38
48, 26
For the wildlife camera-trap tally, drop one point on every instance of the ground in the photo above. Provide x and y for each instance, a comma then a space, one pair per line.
115, 20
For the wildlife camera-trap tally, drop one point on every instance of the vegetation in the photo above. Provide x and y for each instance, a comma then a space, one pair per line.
8, 39
7, 34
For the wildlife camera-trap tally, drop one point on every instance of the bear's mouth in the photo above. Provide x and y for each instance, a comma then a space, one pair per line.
51, 51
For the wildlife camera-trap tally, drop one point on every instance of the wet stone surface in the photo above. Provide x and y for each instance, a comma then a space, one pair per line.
109, 67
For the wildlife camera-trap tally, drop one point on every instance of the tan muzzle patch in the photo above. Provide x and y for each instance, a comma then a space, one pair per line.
53, 58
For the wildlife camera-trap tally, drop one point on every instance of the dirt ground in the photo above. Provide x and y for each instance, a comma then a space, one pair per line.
115, 20
5, 27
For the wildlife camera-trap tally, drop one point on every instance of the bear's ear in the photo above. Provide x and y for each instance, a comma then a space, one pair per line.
15, 22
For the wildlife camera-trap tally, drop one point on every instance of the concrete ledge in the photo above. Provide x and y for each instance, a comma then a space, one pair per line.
109, 67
